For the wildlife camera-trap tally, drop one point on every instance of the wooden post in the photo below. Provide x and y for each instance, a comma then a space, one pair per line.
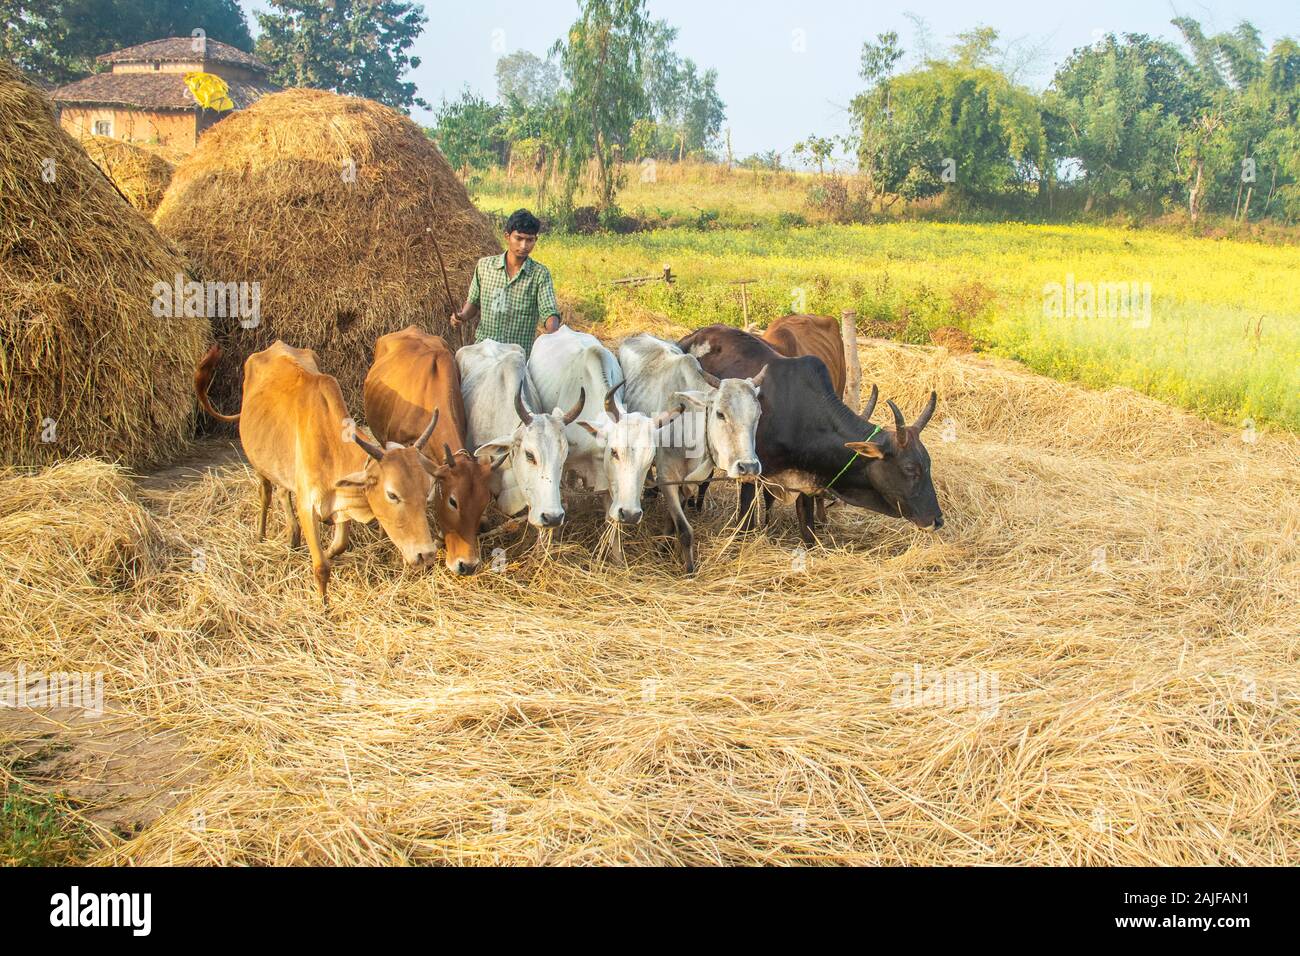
852, 367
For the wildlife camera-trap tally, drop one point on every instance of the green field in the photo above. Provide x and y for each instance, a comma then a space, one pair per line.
1223, 337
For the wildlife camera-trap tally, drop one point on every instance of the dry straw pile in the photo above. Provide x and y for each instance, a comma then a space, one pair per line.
1128, 574
139, 174
85, 367
339, 207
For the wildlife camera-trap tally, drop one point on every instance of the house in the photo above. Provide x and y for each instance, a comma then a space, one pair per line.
144, 97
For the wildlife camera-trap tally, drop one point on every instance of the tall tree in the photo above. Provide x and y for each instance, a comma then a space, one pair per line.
356, 47
56, 41
602, 63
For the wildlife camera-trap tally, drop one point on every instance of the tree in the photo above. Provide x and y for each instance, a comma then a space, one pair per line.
355, 47
820, 148
526, 80
57, 41
686, 112
1119, 107
602, 63
469, 131
954, 122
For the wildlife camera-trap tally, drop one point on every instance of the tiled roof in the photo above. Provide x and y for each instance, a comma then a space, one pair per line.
175, 49
158, 91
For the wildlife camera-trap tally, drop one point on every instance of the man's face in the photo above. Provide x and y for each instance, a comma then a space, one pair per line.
521, 244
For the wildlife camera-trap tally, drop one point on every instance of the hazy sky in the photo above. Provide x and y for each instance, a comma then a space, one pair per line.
787, 69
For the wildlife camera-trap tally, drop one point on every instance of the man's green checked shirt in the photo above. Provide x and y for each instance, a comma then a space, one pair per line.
511, 308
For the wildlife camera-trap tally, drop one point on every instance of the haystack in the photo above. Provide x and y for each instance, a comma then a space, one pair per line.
85, 367
339, 208
139, 174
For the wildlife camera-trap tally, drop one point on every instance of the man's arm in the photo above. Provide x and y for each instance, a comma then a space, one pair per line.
546, 304
470, 310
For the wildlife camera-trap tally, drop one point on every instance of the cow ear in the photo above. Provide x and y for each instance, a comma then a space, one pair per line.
866, 449
495, 452
358, 479
436, 471
698, 398
393, 446
595, 432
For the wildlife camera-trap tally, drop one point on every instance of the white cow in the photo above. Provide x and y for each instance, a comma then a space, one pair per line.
717, 431
499, 398
610, 449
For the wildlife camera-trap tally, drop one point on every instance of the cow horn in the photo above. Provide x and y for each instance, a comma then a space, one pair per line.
900, 425
370, 448
611, 406
871, 403
451, 459
428, 432
711, 380
576, 410
926, 412
525, 415
758, 379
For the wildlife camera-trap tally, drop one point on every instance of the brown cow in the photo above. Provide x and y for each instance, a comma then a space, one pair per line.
415, 375
294, 427
816, 335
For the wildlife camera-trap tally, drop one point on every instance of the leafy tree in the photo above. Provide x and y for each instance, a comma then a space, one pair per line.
819, 148
470, 132
57, 41
526, 81
602, 62
356, 47
686, 111
1119, 108
954, 116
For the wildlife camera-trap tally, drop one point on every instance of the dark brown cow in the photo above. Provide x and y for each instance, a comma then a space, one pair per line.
809, 441
413, 375
295, 430
816, 335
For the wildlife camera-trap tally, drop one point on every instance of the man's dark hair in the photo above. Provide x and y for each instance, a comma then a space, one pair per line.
521, 220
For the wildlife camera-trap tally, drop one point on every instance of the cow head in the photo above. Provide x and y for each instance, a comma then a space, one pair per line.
898, 468
395, 487
731, 410
628, 441
461, 497
536, 452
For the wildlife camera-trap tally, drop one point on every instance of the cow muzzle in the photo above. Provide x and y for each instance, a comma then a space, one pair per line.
629, 516
747, 469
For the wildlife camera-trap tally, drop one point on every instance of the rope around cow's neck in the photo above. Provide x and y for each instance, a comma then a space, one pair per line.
852, 459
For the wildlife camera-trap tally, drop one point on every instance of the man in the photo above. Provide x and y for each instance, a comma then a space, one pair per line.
512, 291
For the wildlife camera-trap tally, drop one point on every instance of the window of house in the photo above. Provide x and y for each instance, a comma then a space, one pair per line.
104, 127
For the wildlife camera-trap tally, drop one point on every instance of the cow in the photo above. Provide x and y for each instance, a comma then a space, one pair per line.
717, 432
818, 335
295, 427
413, 375
806, 433
610, 448
527, 449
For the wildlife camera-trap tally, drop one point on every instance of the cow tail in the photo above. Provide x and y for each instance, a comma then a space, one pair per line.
203, 380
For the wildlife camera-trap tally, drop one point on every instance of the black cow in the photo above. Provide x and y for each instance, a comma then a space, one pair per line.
809, 441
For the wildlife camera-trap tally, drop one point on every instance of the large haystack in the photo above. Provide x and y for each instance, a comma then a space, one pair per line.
85, 367
139, 174
334, 205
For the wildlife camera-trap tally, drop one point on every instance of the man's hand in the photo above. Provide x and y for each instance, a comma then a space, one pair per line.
455, 320
552, 324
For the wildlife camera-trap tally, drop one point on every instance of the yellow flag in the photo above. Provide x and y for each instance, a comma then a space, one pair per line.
210, 91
